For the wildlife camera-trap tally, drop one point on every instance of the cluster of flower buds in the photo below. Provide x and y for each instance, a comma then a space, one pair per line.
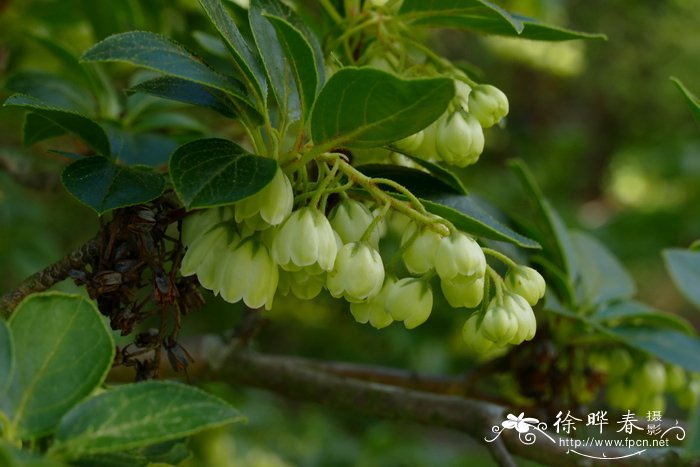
457, 137
262, 246
641, 385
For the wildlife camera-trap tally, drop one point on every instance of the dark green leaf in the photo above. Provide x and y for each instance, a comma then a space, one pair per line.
63, 352
113, 459
555, 240
37, 128
86, 129
171, 452
155, 52
445, 175
536, 30
684, 267
273, 57
171, 122
603, 278
692, 442
366, 107
671, 346
300, 57
137, 415
7, 357
181, 90
469, 217
480, 15
151, 149
12, 456
690, 98
103, 185
248, 62
635, 313
214, 172
51, 89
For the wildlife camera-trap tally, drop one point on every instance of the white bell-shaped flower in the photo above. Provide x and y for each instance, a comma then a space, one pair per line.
269, 206
463, 291
521, 309
350, 219
197, 223
419, 244
499, 324
411, 301
473, 338
488, 104
526, 282
459, 255
358, 273
373, 310
203, 255
306, 238
249, 274
459, 139
410, 144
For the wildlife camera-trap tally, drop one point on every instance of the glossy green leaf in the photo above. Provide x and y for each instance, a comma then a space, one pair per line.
86, 129
536, 30
684, 267
300, 57
602, 276
247, 60
52, 90
63, 352
182, 90
690, 98
469, 217
671, 346
130, 148
420, 183
103, 185
37, 128
366, 107
446, 176
136, 415
631, 312
7, 357
273, 56
155, 52
556, 243
214, 172
473, 14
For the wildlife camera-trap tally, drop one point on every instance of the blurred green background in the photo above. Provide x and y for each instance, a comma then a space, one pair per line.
606, 133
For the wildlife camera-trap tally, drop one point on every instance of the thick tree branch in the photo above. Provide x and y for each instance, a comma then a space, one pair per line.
50, 275
306, 380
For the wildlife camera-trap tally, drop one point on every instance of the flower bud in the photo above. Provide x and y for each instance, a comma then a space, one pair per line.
410, 144
269, 206
374, 309
248, 274
358, 273
620, 360
499, 325
462, 91
476, 342
459, 139
651, 377
526, 282
350, 219
427, 150
463, 291
306, 238
420, 244
202, 257
527, 323
688, 396
197, 223
621, 396
411, 301
488, 104
459, 254
675, 378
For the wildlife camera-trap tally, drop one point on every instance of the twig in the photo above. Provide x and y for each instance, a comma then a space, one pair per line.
50, 275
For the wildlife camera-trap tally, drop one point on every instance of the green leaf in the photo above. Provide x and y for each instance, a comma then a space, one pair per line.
182, 90
248, 62
140, 414
445, 175
7, 357
631, 312
536, 30
684, 267
151, 149
103, 185
472, 14
63, 352
690, 98
671, 346
12, 456
273, 57
155, 52
215, 172
113, 459
469, 217
419, 182
300, 57
86, 129
37, 128
602, 276
556, 243
366, 107
51, 89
